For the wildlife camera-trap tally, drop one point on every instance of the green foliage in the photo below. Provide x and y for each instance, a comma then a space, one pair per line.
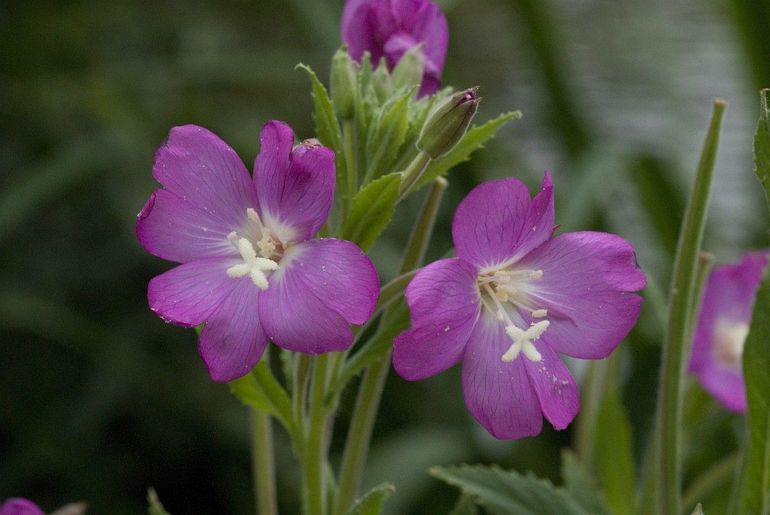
473, 140
580, 485
371, 502
753, 493
387, 134
261, 390
372, 211
614, 454
508, 492
465, 506
326, 126
762, 144
155, 506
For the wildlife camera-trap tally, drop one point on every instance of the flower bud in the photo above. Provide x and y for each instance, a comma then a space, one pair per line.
447, 123
382, 82
410, 68
343, 83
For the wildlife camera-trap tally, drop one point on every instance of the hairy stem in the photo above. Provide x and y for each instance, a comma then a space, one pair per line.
314, 452
263, 463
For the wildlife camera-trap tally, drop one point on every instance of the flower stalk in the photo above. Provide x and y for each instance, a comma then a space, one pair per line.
263, 463
676, 344
370, 392
314, 453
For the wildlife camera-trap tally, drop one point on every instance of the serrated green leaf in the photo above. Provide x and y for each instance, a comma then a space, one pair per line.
387, 134
155, 506
327, 127
753, 493
508, 492
762, 145
581, 486
371, 502
466, 505
473, 140
614, 454
372, 210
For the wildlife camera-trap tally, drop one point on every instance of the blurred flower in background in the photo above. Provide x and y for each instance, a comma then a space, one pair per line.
723, 324
392, 27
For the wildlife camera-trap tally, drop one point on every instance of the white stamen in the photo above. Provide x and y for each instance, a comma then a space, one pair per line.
522, 341
253, 266
536, 274
540, 313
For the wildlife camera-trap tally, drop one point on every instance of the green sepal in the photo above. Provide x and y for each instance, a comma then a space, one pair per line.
473, 140
261, 390
372, 210
504, 492
371, 502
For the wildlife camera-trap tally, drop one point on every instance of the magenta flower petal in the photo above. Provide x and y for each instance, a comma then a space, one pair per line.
233, 340
190, 293
296, 319
723, 323
248, 268
498, 222
174, 229
444, 306
498, 394
339, 274
555, 388
203, 170
391, 27
20, 506
585, 284
537, 295
295, 186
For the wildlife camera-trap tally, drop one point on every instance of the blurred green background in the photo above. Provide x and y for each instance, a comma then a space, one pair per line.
99, 399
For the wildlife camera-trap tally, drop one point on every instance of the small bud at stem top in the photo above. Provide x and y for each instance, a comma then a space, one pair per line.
447, 124
343, 83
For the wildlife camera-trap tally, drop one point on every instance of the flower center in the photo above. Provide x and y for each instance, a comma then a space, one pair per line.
507, 293
728, 345
259, 261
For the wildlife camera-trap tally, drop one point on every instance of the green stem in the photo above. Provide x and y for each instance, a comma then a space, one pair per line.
586, 424
676, 344
351, 165
314, 453
263, 463
302, 364
370, 392
412, 173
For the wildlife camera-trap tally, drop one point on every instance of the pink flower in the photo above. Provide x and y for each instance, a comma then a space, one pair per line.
250, 269
723, 323
388, 28
20, 506
511, 301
